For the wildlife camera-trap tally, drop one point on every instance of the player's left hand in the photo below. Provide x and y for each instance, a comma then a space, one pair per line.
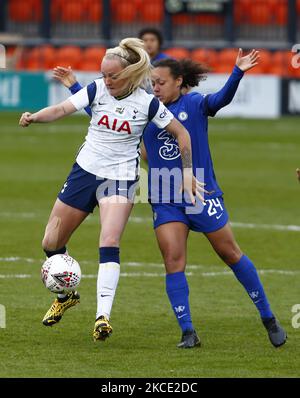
248, 61
64, 75
193, 187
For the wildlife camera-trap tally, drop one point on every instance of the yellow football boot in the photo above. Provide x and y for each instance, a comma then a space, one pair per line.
102, 328
59, 306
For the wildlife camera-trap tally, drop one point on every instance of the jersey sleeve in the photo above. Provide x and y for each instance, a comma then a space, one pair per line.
74, 89
162, 117
216, 101
84, 97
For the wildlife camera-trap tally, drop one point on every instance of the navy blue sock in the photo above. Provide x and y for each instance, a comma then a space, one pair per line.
50, 253
246, 273
109, 254
178, 293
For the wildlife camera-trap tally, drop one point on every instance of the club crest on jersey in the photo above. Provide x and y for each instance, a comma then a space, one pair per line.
120, 110
183, 116
121, 126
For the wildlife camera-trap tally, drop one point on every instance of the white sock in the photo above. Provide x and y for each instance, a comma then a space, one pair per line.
107, 282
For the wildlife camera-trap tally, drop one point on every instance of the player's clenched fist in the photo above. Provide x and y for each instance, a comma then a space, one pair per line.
26, 119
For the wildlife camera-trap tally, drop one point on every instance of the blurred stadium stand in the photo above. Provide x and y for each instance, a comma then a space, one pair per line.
77, 32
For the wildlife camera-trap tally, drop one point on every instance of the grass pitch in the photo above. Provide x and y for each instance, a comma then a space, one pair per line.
255, 163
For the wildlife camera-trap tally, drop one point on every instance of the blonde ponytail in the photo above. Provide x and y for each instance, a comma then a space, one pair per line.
137, 66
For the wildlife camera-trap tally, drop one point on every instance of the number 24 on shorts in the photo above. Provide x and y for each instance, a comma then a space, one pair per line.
213, 205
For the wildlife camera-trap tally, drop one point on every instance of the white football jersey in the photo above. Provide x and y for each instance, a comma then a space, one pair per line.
111, 147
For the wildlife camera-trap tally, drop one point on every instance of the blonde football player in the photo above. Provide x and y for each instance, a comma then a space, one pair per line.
107, 167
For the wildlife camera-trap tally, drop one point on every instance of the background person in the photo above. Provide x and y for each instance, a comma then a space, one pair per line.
153, 40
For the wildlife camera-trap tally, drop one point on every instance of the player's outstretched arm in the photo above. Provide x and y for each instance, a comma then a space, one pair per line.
298, 174
48, 114
223, 97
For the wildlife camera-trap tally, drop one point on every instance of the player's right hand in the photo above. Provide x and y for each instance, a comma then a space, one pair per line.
26, 119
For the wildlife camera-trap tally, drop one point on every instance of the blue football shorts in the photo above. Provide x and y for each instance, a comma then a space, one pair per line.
213, 216
83, 190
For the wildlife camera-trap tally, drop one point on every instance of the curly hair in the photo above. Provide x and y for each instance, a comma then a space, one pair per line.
191, 72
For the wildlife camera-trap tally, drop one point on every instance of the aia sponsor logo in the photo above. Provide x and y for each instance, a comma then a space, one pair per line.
121, 126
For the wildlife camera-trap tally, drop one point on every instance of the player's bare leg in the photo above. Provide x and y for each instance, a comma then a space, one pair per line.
114, 214
172, 241
226, 247
62, 223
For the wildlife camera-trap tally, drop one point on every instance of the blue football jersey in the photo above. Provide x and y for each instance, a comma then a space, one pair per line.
163, 151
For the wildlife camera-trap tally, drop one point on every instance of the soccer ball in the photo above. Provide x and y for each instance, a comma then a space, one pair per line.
61, 273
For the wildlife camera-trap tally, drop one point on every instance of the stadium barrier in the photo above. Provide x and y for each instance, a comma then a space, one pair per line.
258, 96
23, 90
290, 97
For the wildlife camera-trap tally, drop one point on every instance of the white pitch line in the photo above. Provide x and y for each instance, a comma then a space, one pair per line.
14, 276
134, 264
234, 224
143, 220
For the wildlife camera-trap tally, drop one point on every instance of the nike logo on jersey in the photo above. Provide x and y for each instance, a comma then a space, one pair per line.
181, 316
219, 216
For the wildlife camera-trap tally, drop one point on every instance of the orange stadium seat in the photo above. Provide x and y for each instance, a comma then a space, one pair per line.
281, 60
226, 60
241, 11
177, 52
223, 68
281, 12
205, 56
209, 19
94, 10
72, 11
39, 58
94, 54
261, 12
152, 11
92, 66
258, 70
124, 11
68, 55
276, 70
182, 19
265, 61
228, 56
45, 55
21, 11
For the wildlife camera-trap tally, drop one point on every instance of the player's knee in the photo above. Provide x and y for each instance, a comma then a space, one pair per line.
231, 255
174, 262
51, 237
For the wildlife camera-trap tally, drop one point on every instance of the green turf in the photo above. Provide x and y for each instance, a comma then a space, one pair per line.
255, 161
